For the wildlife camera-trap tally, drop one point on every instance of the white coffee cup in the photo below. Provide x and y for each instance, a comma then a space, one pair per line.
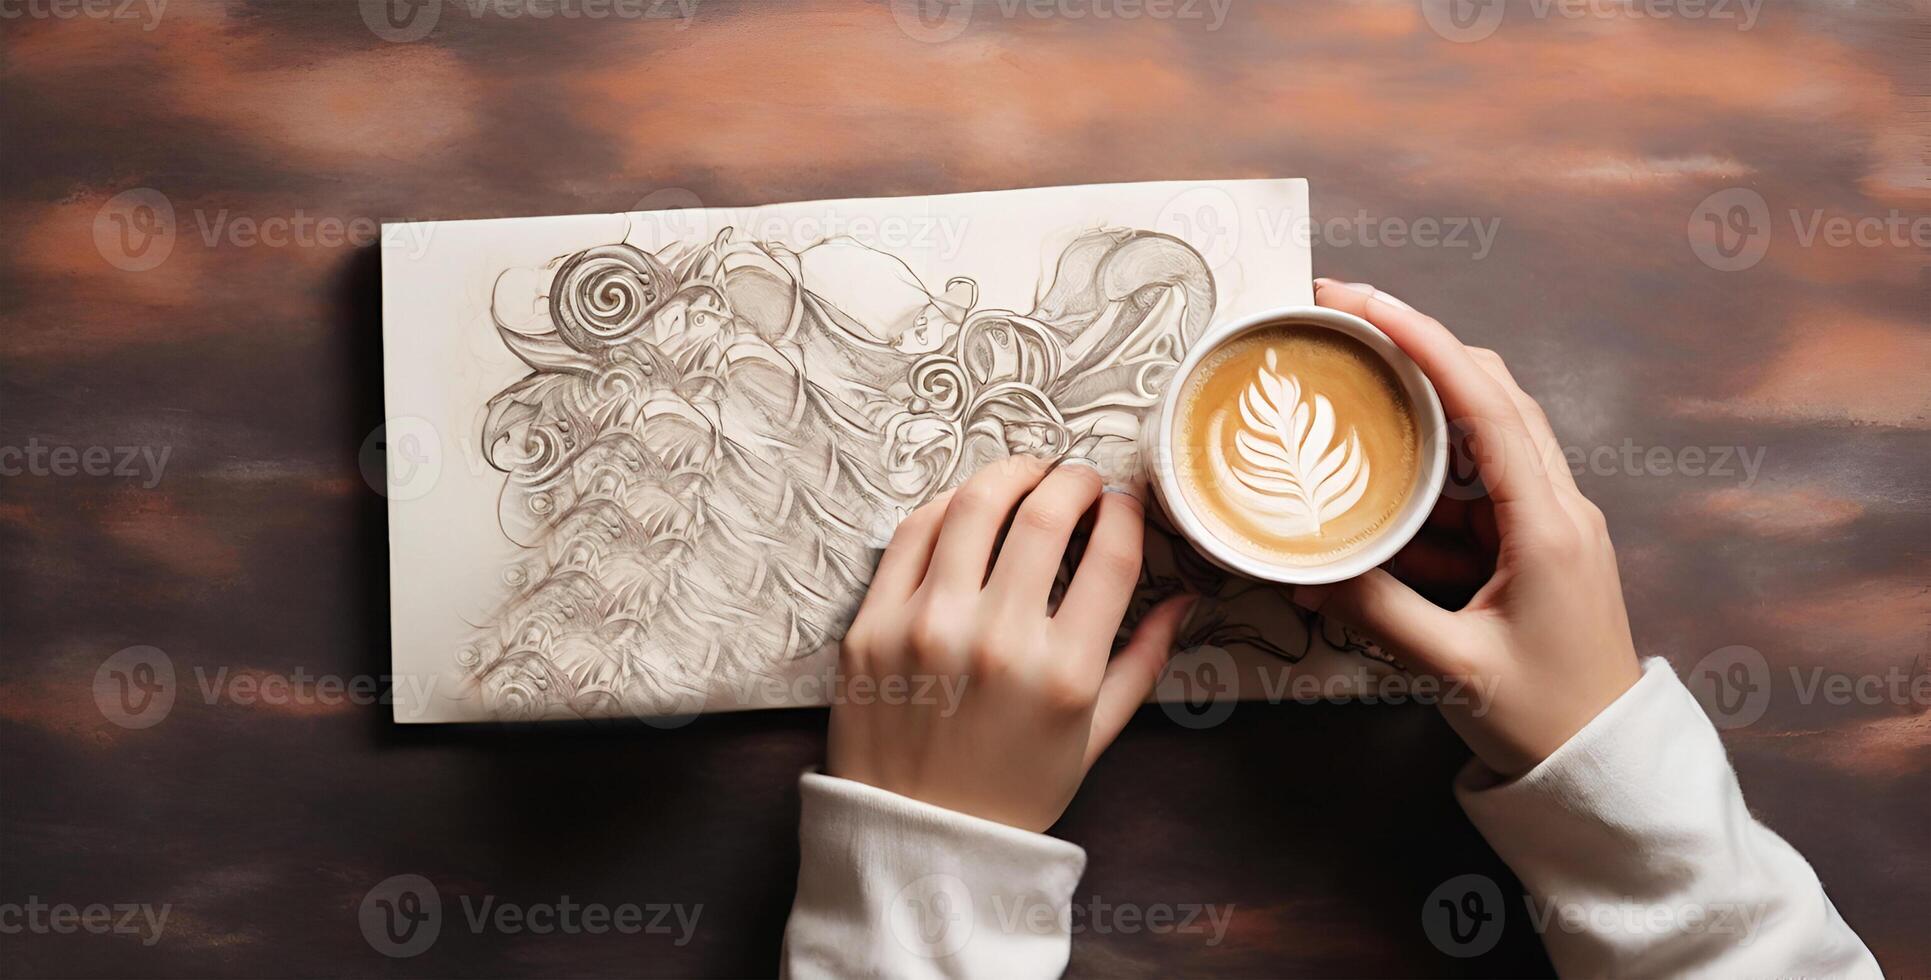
1156, 443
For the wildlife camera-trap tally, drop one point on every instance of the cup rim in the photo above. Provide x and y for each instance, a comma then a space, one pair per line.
1431, 421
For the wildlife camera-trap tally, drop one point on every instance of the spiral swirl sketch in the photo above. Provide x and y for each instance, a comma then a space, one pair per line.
714, 441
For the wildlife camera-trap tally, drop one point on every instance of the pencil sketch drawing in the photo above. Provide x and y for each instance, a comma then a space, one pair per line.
714, 441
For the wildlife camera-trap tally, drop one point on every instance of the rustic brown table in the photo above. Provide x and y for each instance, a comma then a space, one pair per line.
1697, 232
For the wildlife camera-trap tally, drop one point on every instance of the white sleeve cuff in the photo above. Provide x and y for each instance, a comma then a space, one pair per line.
891, 886
1642, 860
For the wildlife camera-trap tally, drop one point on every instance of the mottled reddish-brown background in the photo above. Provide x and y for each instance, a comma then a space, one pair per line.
1590, 139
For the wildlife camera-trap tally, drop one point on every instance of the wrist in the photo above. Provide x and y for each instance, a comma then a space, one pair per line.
1524, 731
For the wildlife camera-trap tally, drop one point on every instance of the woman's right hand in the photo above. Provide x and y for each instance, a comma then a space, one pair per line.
1545, 639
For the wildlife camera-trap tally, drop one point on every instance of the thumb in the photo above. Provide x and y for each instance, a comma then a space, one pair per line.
1395, 615
1132, 672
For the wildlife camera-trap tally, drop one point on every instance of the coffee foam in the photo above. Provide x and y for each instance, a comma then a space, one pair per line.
1295, 444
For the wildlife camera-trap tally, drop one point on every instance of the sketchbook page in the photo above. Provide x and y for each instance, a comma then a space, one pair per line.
642, 464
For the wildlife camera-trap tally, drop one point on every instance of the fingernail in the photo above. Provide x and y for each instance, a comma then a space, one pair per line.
1309, 597
1080, 461
1135, 488
1392, 301
1358, 287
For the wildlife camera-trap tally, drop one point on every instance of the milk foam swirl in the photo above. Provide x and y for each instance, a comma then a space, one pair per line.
1289, 471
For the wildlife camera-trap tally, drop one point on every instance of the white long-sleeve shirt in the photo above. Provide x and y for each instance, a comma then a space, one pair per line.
1632, 839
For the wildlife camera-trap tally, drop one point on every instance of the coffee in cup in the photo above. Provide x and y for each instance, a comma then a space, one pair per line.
1298, 446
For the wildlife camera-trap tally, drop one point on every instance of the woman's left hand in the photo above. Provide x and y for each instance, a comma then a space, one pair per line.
976, 696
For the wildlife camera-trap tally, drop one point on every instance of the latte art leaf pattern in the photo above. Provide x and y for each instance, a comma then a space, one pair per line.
1288, 469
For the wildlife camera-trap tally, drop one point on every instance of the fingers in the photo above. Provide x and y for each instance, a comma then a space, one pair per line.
1505, 454
1132, 672
1582, 513
1418, 631
1548, 449
1036, 544
973, 520
1102, 586
902, 567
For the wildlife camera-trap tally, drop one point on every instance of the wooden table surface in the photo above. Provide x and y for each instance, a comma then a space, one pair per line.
1702, 249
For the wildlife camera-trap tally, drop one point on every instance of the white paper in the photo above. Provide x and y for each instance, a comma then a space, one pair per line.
640, 464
